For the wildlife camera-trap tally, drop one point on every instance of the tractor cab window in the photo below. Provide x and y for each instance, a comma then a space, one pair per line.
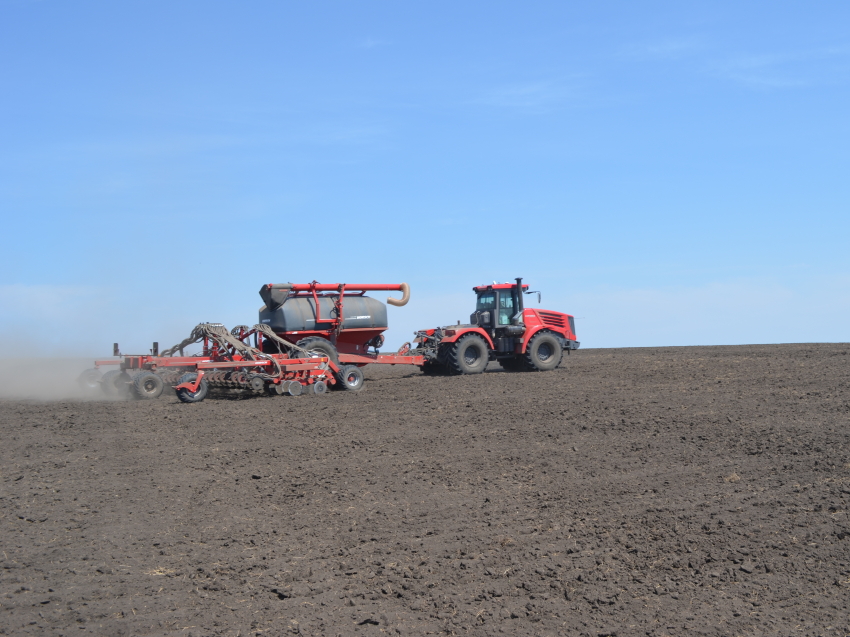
506, 308
486, 302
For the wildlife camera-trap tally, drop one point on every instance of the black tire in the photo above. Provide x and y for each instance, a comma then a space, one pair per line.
468, 355
319, 388
512, 364
116, 383
350, 378
321, 347
147, 385
185, 395
89, 380
271, 346
544, 352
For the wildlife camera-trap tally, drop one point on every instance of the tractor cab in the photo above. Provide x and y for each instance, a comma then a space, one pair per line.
498, 305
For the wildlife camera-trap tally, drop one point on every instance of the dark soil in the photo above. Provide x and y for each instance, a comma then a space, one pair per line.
699, 491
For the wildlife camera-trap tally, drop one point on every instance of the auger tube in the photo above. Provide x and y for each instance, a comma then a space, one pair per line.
274, 294
405, 296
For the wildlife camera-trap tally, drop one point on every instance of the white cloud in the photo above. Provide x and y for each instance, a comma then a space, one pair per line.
786, 70
370, 43
764, 70
665, 49
536, 96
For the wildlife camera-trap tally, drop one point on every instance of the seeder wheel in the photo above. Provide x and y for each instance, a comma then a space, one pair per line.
147, 385
319, 387
89, 380
192, 397
350, 378
318, 346
116, 383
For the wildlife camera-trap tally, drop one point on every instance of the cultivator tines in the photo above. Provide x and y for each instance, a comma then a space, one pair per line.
226, 361
169, 377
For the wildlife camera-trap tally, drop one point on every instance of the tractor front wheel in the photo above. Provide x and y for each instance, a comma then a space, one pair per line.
543, 353
468, 355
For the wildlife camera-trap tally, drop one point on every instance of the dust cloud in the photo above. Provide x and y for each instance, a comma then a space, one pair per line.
45, 379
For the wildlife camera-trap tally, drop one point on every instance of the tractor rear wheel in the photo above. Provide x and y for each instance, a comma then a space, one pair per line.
147, 385
468, 355
185, 395
544, 352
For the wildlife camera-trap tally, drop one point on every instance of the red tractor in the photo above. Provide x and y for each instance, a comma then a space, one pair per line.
501, 329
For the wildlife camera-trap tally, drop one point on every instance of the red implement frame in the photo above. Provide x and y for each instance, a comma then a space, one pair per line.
346, 359
305, 371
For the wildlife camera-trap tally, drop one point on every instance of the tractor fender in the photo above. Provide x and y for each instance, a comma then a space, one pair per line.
530, 332
451, 335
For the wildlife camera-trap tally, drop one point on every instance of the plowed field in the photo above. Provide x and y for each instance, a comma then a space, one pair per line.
670, 491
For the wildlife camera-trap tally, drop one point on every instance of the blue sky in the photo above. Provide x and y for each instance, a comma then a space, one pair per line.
670, 173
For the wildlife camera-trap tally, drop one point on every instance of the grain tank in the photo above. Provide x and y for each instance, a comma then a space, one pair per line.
339, 313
